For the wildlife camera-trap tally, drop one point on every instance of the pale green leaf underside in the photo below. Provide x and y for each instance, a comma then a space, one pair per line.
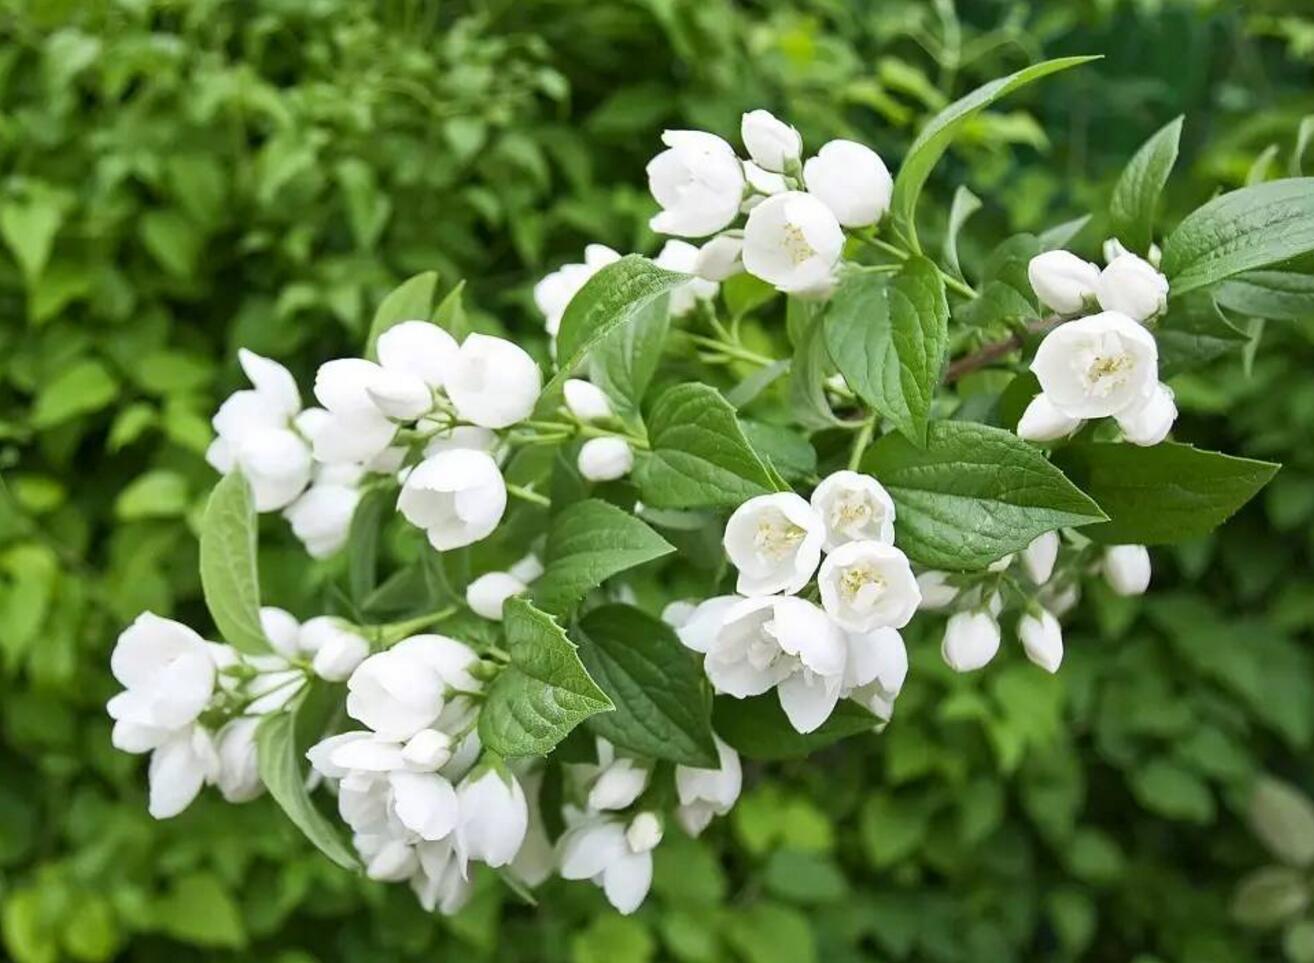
228, 565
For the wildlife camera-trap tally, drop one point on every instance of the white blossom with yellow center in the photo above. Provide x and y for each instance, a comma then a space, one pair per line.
792, 241
855, 507
775, 543
868, 585
1106, 364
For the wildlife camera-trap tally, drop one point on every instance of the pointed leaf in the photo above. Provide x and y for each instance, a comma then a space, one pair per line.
412, 301
1136, 195
228, 565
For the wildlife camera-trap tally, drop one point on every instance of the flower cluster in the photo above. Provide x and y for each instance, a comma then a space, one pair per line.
1099, 365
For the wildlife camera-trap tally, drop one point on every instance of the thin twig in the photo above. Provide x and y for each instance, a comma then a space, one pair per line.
992, 352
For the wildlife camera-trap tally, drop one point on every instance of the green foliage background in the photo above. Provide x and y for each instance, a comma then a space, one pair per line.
180, 178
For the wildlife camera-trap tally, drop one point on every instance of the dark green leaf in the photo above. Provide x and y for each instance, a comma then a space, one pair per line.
1279, 295
1136, 195
759, 729
625, 360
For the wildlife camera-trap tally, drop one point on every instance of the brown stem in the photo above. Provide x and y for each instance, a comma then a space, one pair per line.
992, 352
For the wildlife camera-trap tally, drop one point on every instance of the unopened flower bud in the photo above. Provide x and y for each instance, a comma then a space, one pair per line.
1039, 557
1042, 639
971, 640
1127, 569
1063, 281
1130, 285
488, 593
605, 459
1043, 422
586, 401
773, 144
338, 657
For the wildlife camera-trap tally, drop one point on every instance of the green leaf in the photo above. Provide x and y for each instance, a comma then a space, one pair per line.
80, 389
1006, 296
964, 205
29, 226
625, 360
1279, 295
543, 694
784, 449
173, 240
1193, 333
888, 336
616, 296
941, 130
1269, 896
411, 301
973, 495
1173, 791
1283, 818
363, 535
450, 314
228, 564
587, 544
759, 729
1061, 235
663, 704
1136, 195
198, 909
700, 457
807, 380
1296, 166
156, 494
280, 771
1164, 494
1246, 229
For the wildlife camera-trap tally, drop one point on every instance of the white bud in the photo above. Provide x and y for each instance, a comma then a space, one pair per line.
971, 640
618, 785
698, 181
605, 459
1043, 422
339, 654
936, 591
239, 769
1039, 557
528, 568
586, 401
720, 258
1063, 281
1042, 639
1127, 569
456, 496
427, 751
851, 180
419, 349
488, 593
676, 613
1150, 423
644, 832
773, 144
493, 382
1130, 285
401, 396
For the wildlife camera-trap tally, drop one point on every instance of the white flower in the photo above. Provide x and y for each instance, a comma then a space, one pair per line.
456, 496
1043, 422
868, 585
238, 775
337, 651
596, 848
698, 182
417, 348
1130, 285
427, 751
471, 437
554, 293
851, 180
179, 768
876, 670
168, 676
321, 517
535, 860
682, 256
488, 593
763, 182
1042, 639
354, 430
971, 640
1127, 569
677, 613
1063, 281
605, 459
1097, 366
437, 880
773, 144
854, 507
792, 241
585, 400
1150, 423
493, 382
937, 592
705, 793
406, 688
1038, 558
494, 817
775, 543
618, 785
254, 433
720, 258
774, 641
644, 833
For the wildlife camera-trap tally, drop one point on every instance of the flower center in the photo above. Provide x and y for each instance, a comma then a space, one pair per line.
777, 538
796, 245
851, 512
862, 586
1105, 368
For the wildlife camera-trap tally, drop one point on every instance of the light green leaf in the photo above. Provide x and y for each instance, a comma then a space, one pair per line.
228, 565
1269, 896
363, 535
1136, 195
588, 543
198, 909
1246, 229
157, 494
1173, 791
616, 296
941, 130
1277, 295
888, 336
173, 240
1296, 166
281, 772
1060, 235
782, 448
1164, 494
411, 301
450, 314
1283, 818
29, 226
964, 205
700, 457
759, 729
625, 360
973, 494
807, 380
543, 694
663, 704
80, 389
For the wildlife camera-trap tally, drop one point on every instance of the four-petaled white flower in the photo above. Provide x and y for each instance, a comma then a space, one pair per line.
775, 542
1063, 281
793, 241
256, 432
457, 497
868, 585
355, 429
494, 817
876, 670
854, 507
852, 180
493, 382
168, 675
699, 183
412, 686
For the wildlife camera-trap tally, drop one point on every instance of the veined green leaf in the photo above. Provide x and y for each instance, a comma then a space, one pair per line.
1136, 195
228, 564
625, 360
759, 729
411, 301
1277, 295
